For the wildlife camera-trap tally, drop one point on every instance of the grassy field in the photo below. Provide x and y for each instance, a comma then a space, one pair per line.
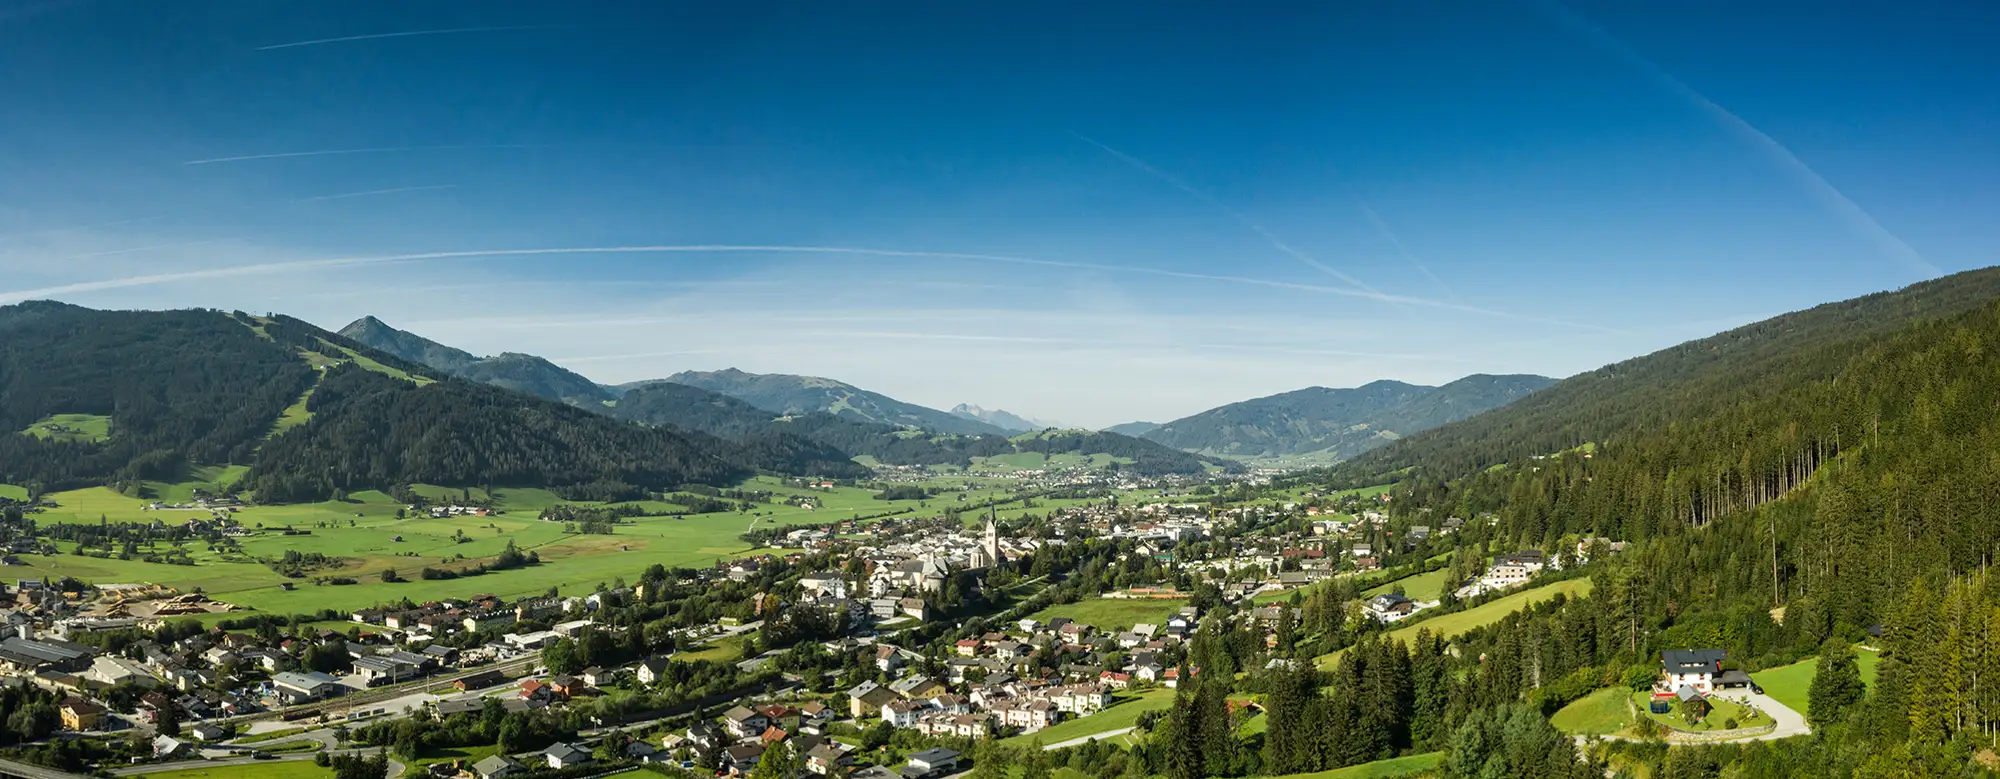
1792, 684
1598, 714
72, 427
1450, 625
1423, 586
366, 535
725, 650
1116, 614
1122, 714
290, 769
1380, 769
1721, 712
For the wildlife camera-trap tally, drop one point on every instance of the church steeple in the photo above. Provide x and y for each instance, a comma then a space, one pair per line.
992, 544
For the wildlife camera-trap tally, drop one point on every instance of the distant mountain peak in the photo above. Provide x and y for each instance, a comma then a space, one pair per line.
525, 373
1008, 421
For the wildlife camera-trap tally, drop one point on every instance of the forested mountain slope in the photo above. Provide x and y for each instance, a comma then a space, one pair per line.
1694, 377
179, 387
1837, 463
518, 372
785, 394
186, 388
1341, 422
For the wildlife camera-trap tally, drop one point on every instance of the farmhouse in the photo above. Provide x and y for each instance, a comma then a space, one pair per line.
1692, 668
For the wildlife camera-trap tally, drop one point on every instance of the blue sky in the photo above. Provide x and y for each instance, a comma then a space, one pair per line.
1085, 212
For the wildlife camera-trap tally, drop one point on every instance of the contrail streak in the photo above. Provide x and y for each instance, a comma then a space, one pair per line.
343, 262
409, 34
367, 193
1829, 196
372, 150
1267, 235
138, 249
1382, 227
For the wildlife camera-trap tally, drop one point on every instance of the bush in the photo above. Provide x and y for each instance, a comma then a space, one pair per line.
1729, 724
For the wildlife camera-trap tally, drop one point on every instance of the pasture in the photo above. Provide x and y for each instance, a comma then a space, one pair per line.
71, 427
1380, 769
1456, 623
1423, 586
1792, 684
364, 533
1123, 713
1114, 614
1600, 713
286, 769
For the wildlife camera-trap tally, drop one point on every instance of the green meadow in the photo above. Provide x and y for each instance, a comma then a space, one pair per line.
1455, 623
71, 427
364, 533
1792, 684
1115, 614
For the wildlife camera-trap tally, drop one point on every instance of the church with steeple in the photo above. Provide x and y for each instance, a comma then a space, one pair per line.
987, 554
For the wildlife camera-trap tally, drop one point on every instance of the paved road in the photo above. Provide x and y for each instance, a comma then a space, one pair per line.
1075, 742
26, 771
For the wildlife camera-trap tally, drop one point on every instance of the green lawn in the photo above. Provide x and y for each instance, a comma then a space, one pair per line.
1380, 769
1423, 586
1721, 711
726, 650
1792, 684
11, 491
1114, 614
1453, 624
269, 735
447, 754
289, 769
1598, 714
71, 427
1122, 714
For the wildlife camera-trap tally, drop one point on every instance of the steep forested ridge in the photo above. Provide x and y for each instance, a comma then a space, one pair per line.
1697, 376
1341, 422
518, 372
370, 431
185, 388
785, 394
1838, 463
180, 387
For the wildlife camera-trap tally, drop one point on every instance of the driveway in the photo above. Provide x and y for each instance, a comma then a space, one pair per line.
1790, 723
1105, 736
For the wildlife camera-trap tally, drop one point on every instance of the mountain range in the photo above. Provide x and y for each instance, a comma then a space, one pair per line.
1339, 423
1005, 420
315, 414
773, 415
